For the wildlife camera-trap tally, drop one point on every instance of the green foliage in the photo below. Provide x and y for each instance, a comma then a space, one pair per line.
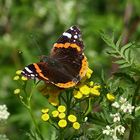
125, 56
26, 26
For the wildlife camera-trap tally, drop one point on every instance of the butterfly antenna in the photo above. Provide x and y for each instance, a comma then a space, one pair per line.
35, 43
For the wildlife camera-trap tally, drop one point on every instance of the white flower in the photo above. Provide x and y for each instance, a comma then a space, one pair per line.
116, 117
114, 137
85, 119
4, 114
116, 105
127, 108
120, 129
122, 100
107, 130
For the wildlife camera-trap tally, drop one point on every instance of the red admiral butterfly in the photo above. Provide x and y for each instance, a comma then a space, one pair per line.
66, 64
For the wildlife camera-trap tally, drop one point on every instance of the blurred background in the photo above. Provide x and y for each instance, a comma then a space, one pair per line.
28, 26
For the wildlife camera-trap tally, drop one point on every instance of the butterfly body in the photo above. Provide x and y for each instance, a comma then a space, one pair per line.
66, 64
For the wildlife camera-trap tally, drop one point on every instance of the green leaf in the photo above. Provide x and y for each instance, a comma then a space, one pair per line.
125, 47
120, 62
119, 42
108, 40
125, 65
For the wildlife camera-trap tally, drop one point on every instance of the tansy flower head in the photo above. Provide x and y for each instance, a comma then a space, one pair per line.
72, 118
45, 110
62, 115
17, 91
95, 90
77, 94
62, 123
55, 113
76, 125
91, 83
24, 78
18, 72
16, 77
61, 108
89, 72
85, 90
45, 117
110, 97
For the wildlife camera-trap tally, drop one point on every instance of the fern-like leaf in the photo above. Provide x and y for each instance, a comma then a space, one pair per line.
124, 53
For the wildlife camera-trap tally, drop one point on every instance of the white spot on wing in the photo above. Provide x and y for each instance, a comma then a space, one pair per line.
28, 70
23, 72
75, 36
71, 28
67, 34
32, 75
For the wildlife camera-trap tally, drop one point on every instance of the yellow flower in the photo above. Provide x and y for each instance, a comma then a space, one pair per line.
45, 117
55, 113
94, 91
17, 91
85, 90
62, 115
77, 94
89, 72
18, 72
72, 118
61, 108
91, 83
16, 77
62, 123
110, 97
97, 87
76, 125
45, 110
24, 78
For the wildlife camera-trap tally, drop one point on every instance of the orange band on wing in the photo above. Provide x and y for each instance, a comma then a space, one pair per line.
84, 67
67, 45
66, 85
76, 46
38, 70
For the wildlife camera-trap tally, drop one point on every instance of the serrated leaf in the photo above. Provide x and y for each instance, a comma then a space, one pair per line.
116, 56
127, 55
119, 41
125, 65
108, 40
112, 52
132, 60
120, 62
123, 49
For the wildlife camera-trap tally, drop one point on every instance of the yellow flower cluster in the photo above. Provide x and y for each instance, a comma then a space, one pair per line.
60, 113
87, 76
45, 116
87, 90
16, 78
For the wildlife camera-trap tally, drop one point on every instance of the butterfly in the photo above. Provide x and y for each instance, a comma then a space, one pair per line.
65, 66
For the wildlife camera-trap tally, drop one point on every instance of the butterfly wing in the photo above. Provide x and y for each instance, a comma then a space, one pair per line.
66, 64
69, 50
50, 72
